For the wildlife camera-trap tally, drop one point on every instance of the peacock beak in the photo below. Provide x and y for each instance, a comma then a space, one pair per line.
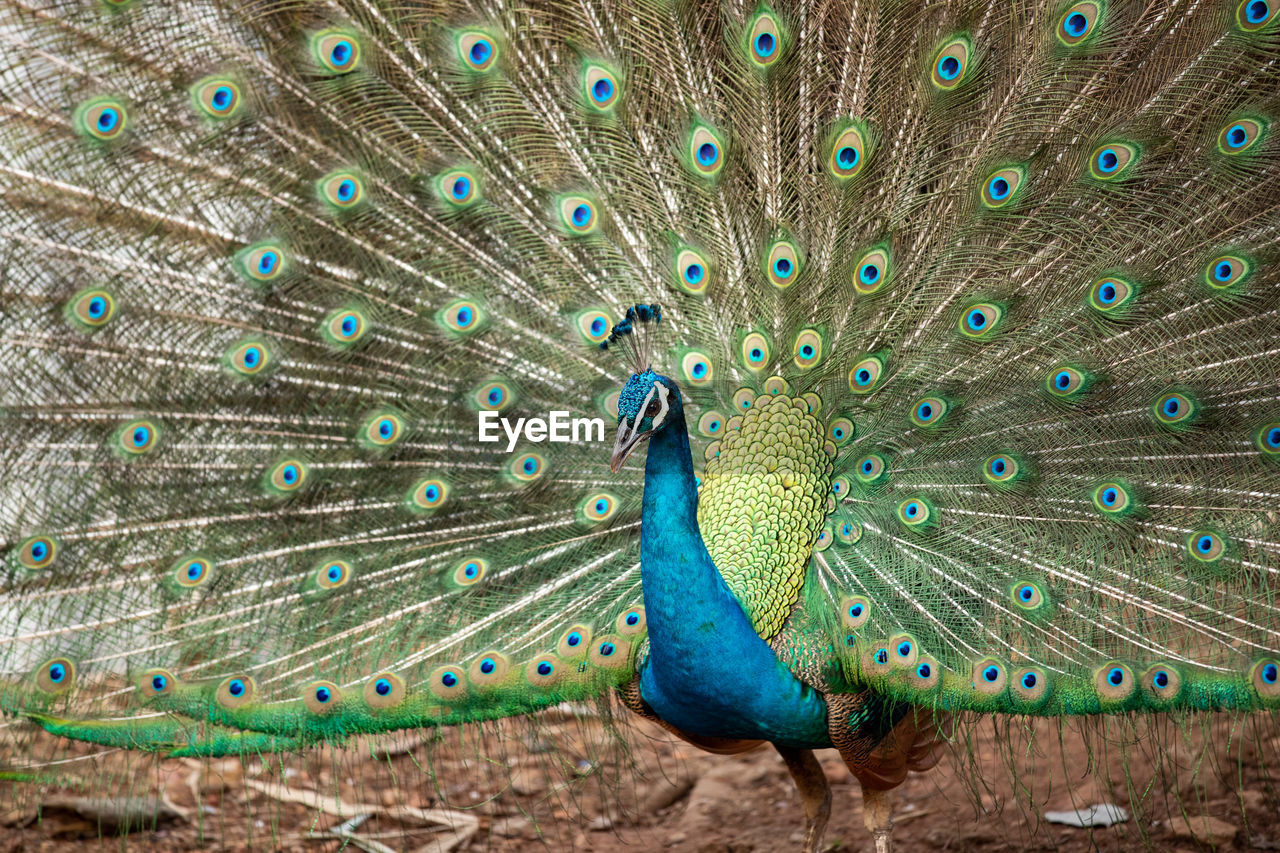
628, 440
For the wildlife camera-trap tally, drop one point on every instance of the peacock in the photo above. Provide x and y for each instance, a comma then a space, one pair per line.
936, 344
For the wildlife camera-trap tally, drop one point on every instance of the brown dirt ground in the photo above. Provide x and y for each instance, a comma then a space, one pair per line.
571, 782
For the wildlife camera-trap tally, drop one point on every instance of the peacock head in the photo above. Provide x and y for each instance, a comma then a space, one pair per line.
646, 404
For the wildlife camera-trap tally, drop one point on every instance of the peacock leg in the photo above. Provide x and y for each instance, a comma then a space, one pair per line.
815, 793
878, 817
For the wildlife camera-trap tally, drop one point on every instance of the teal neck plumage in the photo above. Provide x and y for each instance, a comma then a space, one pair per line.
707, 672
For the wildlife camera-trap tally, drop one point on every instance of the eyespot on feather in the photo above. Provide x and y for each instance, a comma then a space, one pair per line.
697, 368
1254, 15
288, 475
345, 327
528, 467
36, 552
1030, 686
91, 309
1111, 295
1241, 135
494, 396
384, 690
848, 153
854, 612
336, 51
807, 349
429, 494
57, 675
782, 264
631, 622
980, 320
601, 87
458, 188
950, 66
235, 691
469, 572
693, 272
447, 683
155, 683
764, 40
705, 151
574, 642
543, 671
990, 677
1003, 186
1079, 22
1162, 682
332, 574
711, 424
477, 50
1227, 271
217, 98
1114, 683
191, 572
866, 373
578, 214
488, 669
610, 652
261, 263
872, 271
597, 508
321, 697
381, 429
341, 190
1112, 160
249, 358
137, 438
103, 119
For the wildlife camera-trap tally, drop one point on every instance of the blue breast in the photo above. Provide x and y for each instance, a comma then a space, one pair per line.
707, 672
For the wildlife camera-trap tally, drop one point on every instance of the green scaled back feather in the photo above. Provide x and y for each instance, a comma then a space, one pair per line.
265, 265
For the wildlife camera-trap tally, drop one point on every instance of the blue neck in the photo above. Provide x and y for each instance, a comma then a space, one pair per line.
708, 672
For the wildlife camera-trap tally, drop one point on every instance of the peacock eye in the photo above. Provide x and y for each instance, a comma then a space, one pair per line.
652, 409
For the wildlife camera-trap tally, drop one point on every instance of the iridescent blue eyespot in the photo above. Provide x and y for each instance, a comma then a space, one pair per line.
782, 268
998, 188
1026, 592
607, 649
904, 649
97, 307
340, 52
693, 273
1256, 12
461, 187
1270, 673
57, 672
924, 670
581, 215
323, 695
544, 668
495, 396
573, 639
991, 673
487, 666
1029, 680
480, 51
882, 656
236, 687
1076, 24
107, 120
1160, 679
766, 44
855, 611
976, 320
448, 679
1109, 496
948, 67
602, 89
1116, 676
707, 153
869, 273
602, 506
633, 618
158, 683
382, 687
